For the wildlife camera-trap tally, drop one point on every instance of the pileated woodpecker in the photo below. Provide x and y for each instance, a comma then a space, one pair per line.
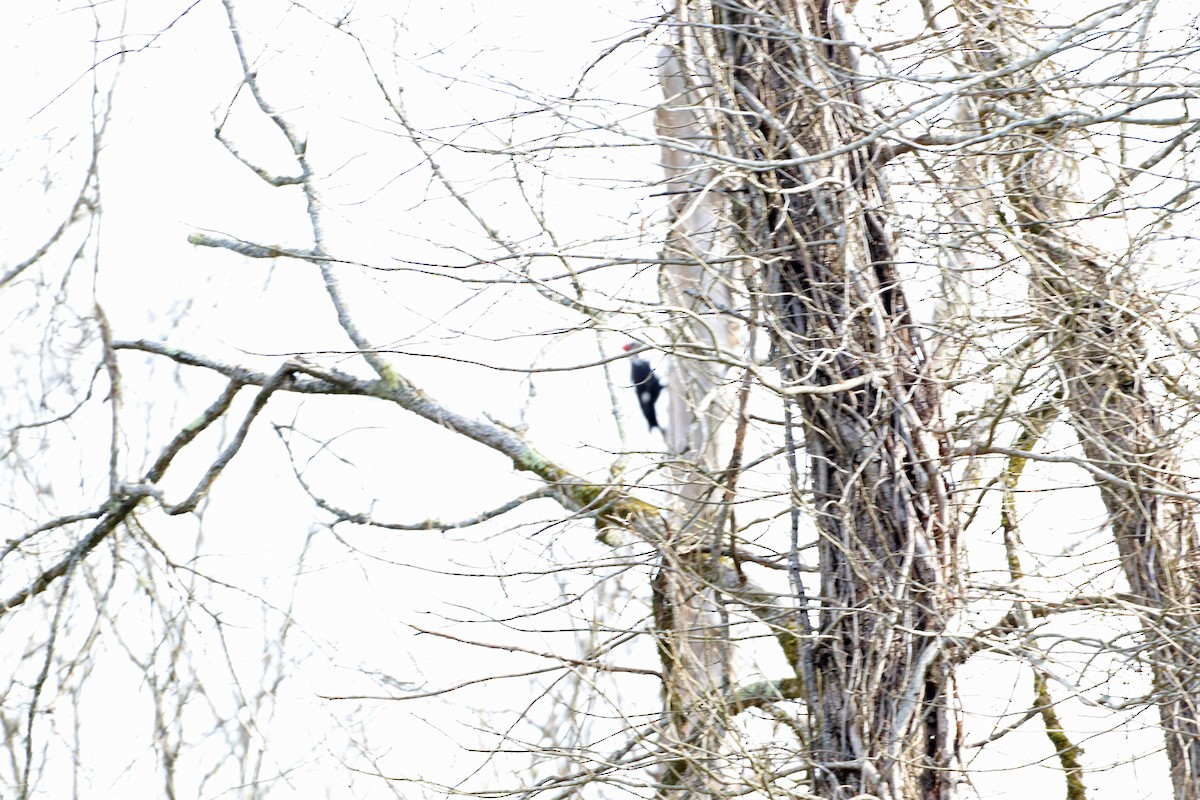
647, 386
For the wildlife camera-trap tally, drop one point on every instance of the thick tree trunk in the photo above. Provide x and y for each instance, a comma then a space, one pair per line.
885, 715
1096, 321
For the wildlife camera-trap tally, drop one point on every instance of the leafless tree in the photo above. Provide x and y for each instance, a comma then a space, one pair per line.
1095, 319
913, 278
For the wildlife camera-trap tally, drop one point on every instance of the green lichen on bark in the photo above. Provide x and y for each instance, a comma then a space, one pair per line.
1065, 749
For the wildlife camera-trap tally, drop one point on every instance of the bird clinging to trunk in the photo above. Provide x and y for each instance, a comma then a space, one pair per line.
647, 386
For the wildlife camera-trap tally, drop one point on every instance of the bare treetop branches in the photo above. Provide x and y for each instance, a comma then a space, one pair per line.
318, 476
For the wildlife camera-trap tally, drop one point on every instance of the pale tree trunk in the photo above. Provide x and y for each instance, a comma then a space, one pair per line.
1096, 320
884, 713
699, 279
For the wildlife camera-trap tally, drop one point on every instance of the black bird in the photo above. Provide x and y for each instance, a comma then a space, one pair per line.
647, 385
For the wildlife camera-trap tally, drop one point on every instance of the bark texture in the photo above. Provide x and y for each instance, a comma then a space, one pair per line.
1096, 320
779, 120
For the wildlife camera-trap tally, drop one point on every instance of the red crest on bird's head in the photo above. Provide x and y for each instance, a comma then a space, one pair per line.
629, 346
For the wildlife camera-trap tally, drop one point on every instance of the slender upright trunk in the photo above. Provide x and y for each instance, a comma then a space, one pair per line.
698, 277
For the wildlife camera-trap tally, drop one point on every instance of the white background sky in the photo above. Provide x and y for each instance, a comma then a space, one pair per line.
164, 176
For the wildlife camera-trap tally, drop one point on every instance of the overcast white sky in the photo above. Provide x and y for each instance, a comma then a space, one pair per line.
164, 177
